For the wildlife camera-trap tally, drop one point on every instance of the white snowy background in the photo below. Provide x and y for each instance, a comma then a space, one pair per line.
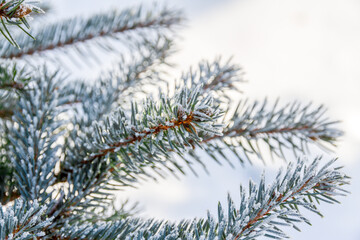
307, 50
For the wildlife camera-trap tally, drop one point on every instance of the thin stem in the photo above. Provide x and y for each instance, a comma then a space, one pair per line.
14, 85
62, 176
278, 200
90, 36
143, 134
257, 131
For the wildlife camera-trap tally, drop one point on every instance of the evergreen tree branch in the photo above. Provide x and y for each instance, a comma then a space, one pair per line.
262, 212
123, 171
33, 136
171, 124
11, 77
254, 126
78, 30
65, 147
158, 126
15, 12
23, 220
269, 123
113, 85
109, 92
122, 133
217, 77
13, 80
210, 76
300, 186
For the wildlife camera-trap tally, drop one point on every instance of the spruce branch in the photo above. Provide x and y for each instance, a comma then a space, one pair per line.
13, 80
186, 113
15, 12
299, 186
217, 76
33, 136
289, 127
12, 77
170, 123
262, 212
253, 126
110, 91
95, 30
104, 94
147, 134
71, 147
23, 220
213, 77
146, 65
232, 131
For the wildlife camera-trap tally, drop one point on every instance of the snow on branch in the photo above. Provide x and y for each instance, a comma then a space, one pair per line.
150, 132
13, 80
12, 77
15, 12
123, 144
111, 90
95, 30
264, 211
23, 220
253, 127
146, 65
217, 76
33, 136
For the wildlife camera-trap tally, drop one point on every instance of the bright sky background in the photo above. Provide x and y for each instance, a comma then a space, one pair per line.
306, 50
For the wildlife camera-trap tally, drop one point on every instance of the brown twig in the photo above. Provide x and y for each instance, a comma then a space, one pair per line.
90, 36
6, 113
14, 85
260, 214
62, 176
257, 131
142, 134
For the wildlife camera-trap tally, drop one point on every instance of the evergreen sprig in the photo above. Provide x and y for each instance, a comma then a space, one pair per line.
23, 220
34, 134
211, 73
217, 76
123, 145
66, 147
262, 212
13, 80
169, 124
15, 12
96, 31
256, 127
109, 92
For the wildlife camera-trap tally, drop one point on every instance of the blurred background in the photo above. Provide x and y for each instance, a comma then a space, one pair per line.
296, 50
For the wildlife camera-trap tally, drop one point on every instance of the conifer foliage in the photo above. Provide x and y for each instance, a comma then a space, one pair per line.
67, 146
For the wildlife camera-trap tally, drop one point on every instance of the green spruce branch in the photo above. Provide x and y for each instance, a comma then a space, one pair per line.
66, 147
15, 12
95, 30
